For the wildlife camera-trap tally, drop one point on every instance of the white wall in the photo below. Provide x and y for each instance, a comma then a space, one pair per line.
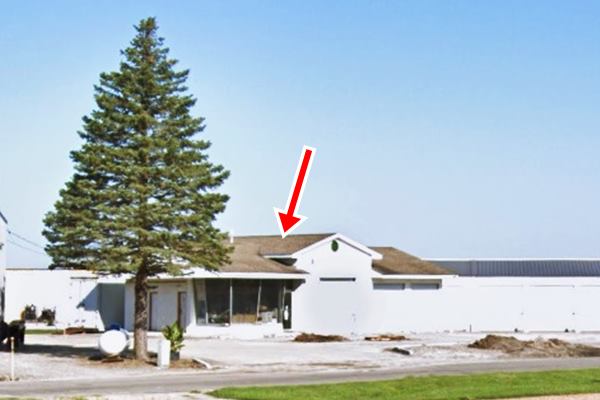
461, 303
73, 294
529, 304
165, 308
333, 307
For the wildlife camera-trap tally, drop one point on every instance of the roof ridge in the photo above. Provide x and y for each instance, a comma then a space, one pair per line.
288, 236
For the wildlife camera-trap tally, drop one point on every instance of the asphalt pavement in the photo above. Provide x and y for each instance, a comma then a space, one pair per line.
207, 380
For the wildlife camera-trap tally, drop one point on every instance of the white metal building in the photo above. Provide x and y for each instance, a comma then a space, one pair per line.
79, 298
332, 284
327, 283
525, 294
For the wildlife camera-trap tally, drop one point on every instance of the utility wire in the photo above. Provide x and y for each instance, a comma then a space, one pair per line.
26, 248
31, 242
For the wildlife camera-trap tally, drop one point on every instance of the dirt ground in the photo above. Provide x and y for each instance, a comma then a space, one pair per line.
60, 357
539, 347
316, 338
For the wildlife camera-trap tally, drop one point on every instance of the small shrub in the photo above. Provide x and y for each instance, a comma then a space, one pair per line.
174, 334
48, 316
29, 313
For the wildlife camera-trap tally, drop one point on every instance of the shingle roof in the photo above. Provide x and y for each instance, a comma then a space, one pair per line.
398, 262
249, 252
522, 268
275, 245
258, 253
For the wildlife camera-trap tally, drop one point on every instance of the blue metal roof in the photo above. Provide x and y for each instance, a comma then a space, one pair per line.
524, 268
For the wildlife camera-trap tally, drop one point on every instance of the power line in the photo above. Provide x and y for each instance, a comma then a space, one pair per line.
31, 242
26, 248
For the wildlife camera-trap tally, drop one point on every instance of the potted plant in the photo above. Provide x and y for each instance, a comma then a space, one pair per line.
174, 334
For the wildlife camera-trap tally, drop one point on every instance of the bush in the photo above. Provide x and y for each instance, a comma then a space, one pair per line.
174, 334
29, 313
48, 316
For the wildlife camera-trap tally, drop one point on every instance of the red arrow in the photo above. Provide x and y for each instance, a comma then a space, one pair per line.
286, 220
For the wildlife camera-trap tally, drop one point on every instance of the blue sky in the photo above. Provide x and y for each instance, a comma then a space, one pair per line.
446, 129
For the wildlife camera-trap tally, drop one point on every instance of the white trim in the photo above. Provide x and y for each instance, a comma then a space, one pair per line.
338, 236
410, 277
203, 274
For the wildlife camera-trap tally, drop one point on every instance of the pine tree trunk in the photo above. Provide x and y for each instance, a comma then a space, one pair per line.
140, 333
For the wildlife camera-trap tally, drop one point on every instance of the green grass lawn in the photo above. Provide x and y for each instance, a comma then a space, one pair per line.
459, 387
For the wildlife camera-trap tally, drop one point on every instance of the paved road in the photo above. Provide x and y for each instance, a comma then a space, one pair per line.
185, 382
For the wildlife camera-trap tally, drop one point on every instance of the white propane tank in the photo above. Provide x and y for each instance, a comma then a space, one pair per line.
164, 354
112, 343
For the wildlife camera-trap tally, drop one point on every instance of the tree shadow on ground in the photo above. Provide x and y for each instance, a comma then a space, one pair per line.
59, 351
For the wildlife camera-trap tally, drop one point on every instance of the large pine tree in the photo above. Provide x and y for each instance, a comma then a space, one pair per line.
143, 198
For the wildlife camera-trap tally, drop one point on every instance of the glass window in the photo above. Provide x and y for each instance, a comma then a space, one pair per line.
252, 301
217, 300
245, 301
389, 286
424, 286
337, 279
270, 300
200, 297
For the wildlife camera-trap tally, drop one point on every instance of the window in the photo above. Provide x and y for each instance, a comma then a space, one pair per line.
337, 279
270, 300
245, 301
217, 300
200, 298
224, 301
425, 286
389, 286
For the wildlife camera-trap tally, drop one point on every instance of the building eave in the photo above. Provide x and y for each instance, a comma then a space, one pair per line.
228, 275
412, 277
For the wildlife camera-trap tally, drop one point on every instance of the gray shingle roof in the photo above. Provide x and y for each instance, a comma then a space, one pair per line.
250, 252
398, 262
524, 268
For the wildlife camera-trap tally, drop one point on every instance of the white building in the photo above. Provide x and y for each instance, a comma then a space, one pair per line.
327, 283
525, 294
78, 298
332, 284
